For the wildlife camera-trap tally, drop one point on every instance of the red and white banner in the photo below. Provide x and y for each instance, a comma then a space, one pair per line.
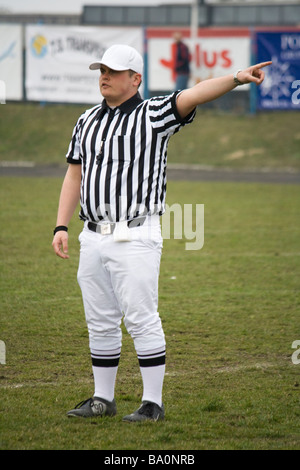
58, 58
214, 52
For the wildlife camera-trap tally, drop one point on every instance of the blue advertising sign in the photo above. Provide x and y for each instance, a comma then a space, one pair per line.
281, 87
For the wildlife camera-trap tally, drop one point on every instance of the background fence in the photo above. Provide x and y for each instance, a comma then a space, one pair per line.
49, 63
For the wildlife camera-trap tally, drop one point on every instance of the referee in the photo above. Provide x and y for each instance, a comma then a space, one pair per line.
117, 169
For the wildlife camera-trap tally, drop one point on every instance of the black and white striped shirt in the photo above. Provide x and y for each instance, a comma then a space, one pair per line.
123, 153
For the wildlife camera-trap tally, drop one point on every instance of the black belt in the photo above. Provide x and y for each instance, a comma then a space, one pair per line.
108, 228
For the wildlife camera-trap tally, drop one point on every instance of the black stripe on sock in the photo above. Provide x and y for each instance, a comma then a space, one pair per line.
105, 362
152, 354
152, 362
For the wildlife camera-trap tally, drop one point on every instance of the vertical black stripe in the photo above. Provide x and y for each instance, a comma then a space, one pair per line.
121, 163
143, 133
107, 195
133, 156
93, 151
161, 168
89, 164
152, 162
119, 178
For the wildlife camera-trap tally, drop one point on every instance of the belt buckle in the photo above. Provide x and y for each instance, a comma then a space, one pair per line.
105, 229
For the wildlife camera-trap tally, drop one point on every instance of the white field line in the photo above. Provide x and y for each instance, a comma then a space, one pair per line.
220, 370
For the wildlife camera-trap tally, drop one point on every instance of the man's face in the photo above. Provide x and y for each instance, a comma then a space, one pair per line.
117, 87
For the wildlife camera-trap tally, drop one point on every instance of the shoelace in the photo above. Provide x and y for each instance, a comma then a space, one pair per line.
147, 409
98, 406
82, 403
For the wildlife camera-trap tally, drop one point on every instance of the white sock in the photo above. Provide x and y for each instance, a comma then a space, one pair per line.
105, 367
153, 378
152, 366
104, 380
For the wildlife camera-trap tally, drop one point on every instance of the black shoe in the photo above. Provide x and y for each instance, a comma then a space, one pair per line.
94, 407
148, 411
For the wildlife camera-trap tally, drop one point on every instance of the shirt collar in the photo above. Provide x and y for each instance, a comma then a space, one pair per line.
127, 107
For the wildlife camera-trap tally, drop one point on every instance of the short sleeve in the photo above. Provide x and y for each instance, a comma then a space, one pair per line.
73, 154
164, 115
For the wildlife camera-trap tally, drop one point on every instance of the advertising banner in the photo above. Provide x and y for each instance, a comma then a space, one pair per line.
281, 87
11, 62
58, 59
213, 53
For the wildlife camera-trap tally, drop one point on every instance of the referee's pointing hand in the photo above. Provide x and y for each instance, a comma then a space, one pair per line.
253, 74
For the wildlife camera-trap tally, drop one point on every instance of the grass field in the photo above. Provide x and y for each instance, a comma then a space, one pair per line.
31, 132
230, 313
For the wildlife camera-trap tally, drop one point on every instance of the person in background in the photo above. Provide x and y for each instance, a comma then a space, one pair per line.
181, 63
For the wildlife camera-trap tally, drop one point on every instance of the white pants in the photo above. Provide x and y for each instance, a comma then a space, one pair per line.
121, 279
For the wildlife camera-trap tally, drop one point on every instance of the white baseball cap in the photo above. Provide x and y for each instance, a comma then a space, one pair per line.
120, 57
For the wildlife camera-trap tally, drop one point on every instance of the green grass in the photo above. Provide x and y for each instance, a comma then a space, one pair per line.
230, 317
41, 134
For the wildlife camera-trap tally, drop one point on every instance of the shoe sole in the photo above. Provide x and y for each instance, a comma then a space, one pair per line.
71, 414
151, 420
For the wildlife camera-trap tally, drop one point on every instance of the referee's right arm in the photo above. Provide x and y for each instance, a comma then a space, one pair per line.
69, 198
213, 88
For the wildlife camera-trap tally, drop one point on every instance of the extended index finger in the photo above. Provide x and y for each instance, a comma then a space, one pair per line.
263, 64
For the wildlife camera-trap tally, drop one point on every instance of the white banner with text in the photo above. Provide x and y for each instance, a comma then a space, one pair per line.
58, 59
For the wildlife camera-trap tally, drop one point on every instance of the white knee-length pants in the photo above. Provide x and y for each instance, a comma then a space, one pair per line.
121, 279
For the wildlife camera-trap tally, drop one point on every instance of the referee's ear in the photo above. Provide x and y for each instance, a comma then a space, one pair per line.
137, 78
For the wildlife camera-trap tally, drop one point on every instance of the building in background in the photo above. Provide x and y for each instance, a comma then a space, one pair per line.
170, 13
221, 35
209, 13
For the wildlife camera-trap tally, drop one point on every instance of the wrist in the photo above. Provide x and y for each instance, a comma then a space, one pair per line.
59, 228
235, 78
